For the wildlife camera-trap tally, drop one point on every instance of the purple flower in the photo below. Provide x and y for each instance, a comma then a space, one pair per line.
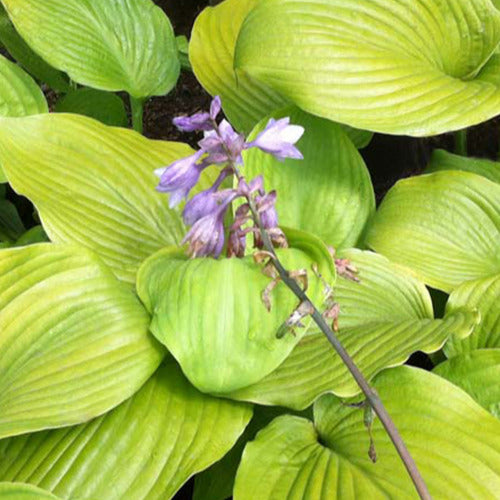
205, 202
278, 139
223, 146
206, 237
180, 177
199, 121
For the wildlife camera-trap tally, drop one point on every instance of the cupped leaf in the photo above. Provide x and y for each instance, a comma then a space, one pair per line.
110, 45
212, 318
211, 49
211, 52
145, 449
383, 319
74, 341
93, 185
415, 67
477, 373
445, 226
20, 491
455, 443
329, 193
106, 107
28, 59
483, 295
444, 160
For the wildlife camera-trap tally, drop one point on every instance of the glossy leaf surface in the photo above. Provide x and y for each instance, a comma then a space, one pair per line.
383, 320
414, 67
28, 59
445, 226
20, 491
448, 434
329, 192
110, 45
144, 449
210, 315
93, 185
74, 341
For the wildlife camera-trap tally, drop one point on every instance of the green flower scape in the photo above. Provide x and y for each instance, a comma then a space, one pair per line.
130, 363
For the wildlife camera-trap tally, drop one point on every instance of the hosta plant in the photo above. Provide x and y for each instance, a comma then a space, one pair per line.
240, 311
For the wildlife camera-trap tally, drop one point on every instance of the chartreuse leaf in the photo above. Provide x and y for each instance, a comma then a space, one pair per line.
231, 341
216, 482
443, 160
483, 295
106, 107
383, 319
110, 45
455, 443
145, 449
211, 49
415, 67
25, 56
329, 192
93, 185
445, 226
74, 341
477, 373
20, 491
211, 52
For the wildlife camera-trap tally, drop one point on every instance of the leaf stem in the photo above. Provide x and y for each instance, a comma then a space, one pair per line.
137, 109
461, 142
370, 394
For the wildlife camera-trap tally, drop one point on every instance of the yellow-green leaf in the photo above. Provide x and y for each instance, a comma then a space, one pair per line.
74, 341
93, 185
110, 44
145, 449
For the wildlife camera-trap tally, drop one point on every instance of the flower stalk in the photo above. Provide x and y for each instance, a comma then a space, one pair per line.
205, 213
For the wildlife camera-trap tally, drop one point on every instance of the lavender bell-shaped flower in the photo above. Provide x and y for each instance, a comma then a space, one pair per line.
278, 139
206, 236
180, 177
224, 146
205, 202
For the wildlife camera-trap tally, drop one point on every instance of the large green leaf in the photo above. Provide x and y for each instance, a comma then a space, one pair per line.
445, 226
211, 49
329, 193
20, 491
455, 443
143, 450
25, 56
210, 314
383, 320
110, 45
484, 295
477, 373
74, 341
93, 185
415, 67
106, 107
443, 160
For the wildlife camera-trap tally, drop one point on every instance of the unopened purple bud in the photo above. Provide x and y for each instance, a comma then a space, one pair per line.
255, 185
278, 139
205, 202
215, 107
180, 177
193, 123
